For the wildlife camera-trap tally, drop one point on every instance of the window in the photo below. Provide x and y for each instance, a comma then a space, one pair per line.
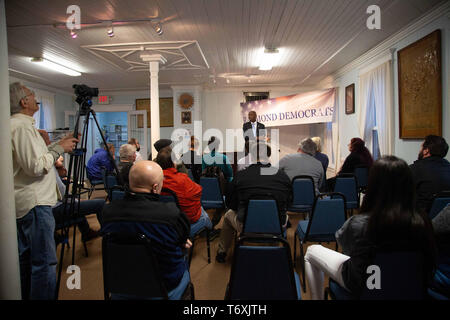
255, 96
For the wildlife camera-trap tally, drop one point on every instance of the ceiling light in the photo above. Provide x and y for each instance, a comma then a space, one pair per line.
56, 67
228, 80
73, 34
110, 31
269, 59
158, 29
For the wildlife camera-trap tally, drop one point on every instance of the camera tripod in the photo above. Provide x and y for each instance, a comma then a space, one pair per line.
76, 172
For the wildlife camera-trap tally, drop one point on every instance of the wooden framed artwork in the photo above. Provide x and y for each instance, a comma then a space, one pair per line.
420, 88
350, 99
165, 112
186, 117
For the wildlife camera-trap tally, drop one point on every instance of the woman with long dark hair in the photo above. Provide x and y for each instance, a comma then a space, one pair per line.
387, 221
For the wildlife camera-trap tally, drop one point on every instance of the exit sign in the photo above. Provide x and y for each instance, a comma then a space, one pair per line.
103, 99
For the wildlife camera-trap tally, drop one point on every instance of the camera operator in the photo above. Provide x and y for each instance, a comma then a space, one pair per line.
35, 194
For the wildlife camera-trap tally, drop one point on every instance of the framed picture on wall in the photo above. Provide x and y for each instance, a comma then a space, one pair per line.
420, 88
165, 112
186, 117
350, 99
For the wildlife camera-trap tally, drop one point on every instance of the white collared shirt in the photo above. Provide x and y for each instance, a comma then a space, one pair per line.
34, 177
254, 126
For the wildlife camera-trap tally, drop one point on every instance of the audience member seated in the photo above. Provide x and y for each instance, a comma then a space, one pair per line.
98, 160
387, 221
303, 163
163, 223
441, 227
193, 160
323, 158
431, 171
259, 179
166, 145
216, 159
188, 193
134, 142
246, 161
359, 156
127, 153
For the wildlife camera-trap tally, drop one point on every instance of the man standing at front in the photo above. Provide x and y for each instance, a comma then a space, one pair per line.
253, 130
35, 194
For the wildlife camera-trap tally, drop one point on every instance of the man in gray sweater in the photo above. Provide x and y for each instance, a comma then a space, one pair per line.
304, 163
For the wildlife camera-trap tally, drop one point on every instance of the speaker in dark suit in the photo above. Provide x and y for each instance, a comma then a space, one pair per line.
253, 130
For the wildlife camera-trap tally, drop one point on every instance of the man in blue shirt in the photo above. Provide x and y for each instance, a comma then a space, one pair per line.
217, 159
98, 160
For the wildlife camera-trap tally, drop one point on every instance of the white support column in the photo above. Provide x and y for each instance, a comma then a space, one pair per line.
9, 261
154, 60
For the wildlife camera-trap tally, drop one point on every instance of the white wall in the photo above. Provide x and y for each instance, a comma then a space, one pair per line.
348, 124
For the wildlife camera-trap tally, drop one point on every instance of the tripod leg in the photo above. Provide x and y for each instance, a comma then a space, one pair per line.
58, 281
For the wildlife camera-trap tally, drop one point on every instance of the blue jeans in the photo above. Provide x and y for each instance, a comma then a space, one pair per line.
202, 222
37, 254
86, 207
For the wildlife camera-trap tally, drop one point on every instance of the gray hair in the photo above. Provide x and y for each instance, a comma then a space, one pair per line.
318, 143
126, 151
16, 94
308, 146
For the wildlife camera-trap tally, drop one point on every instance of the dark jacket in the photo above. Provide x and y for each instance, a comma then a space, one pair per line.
162, 223
254, 182
431, 176
248, 131
193, 161
323, 158
351, 162
124, 172
354, 241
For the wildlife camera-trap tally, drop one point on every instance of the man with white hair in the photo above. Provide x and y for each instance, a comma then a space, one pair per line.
303, 163
127, 153
35, 194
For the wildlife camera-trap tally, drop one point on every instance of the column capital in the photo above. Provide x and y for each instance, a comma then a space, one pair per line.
147, 57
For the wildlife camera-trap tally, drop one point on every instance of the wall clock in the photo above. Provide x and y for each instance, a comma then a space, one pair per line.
186, 101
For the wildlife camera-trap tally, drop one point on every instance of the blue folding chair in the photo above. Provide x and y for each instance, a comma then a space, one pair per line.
263, 273
131, 271
212, 197
93, 184
304, 194
362, 178
327, 217
168, 195
110, 183
401, 274
262, 217
440, 201
347, 185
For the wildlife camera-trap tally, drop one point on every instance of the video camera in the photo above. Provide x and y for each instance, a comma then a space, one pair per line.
84, 95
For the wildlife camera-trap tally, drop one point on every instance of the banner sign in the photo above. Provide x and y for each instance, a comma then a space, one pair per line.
303, 108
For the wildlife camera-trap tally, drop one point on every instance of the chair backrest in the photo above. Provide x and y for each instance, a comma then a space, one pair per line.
303, 191
262, 272
168, 195
262, 216
347, 185
362, 176
441, 200
130, 268
401, 276
117, 194
211, 189
328, 216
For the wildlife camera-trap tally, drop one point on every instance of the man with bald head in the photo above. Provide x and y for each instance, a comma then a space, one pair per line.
163, 223
253, 130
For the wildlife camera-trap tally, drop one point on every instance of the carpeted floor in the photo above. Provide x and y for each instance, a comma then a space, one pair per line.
210, 280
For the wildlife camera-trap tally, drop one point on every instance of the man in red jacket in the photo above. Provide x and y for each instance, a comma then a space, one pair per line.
188, 193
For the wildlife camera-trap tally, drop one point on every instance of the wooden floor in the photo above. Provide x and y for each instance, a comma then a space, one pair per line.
210, 280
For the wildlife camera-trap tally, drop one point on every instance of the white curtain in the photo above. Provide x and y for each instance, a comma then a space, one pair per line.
376, 110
